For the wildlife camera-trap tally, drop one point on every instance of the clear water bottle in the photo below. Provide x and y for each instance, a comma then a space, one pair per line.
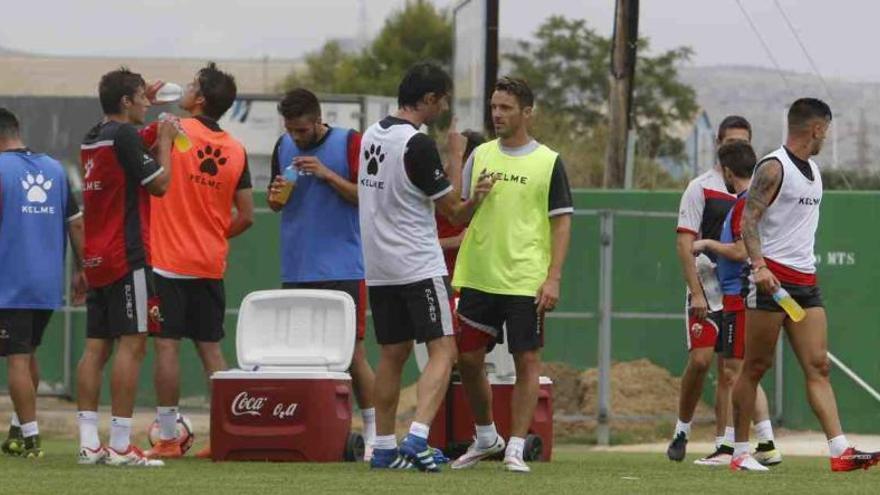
787, 303
709, 280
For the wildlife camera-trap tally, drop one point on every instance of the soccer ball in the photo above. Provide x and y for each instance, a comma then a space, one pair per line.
184, 433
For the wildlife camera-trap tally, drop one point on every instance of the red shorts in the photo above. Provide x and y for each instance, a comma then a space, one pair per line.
702, 333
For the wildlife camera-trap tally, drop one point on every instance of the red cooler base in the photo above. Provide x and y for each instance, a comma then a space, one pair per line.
453, 427
263, 416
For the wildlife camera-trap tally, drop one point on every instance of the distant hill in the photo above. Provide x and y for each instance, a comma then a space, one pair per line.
761, 96
7, 51
44, 75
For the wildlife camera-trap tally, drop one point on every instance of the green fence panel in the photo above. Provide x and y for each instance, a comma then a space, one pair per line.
646, 278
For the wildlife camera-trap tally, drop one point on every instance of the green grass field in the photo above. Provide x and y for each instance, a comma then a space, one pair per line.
574, 470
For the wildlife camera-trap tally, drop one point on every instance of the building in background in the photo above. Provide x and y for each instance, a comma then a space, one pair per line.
699, 148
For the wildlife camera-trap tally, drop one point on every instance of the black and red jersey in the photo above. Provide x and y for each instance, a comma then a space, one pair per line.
704, 205
115, 167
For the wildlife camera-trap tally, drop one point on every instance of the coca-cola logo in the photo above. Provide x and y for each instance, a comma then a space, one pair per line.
245, 405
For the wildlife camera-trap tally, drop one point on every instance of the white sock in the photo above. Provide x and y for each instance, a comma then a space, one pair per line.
369, 416
486, 435
120, 433
13, 421
29, 429
385, 442
740, 448
515, 447
838, 445
729, 433
764, 431
88, 429
420, 430
681, 426
167, 417
719, 441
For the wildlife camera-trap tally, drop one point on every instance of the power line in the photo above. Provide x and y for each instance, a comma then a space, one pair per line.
803, 47
764, 44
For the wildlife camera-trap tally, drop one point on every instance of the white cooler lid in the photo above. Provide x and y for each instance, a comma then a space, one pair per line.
301, 329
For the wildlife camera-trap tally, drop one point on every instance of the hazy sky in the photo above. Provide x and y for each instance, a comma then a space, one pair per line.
839, 35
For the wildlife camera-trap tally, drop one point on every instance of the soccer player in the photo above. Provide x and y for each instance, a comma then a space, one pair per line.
459, 146
190, 231
704, 205
510, 267
37, 212
320, 234
119, 175
737, 160
400, 179
779, 230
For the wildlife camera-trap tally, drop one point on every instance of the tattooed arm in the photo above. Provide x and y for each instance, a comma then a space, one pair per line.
765, 184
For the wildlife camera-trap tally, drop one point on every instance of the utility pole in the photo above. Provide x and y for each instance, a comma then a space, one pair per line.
623, 66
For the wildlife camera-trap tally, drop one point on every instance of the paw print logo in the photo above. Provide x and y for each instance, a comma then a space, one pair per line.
210, 158
36, 187
90, 164
374, 156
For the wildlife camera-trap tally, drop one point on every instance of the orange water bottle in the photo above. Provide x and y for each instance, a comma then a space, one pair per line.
791, 307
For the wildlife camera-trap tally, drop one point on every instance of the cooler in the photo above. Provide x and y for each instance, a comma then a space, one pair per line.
453, 426
290, 399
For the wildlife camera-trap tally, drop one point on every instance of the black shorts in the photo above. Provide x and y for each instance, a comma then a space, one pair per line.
354, 288
192, 308
420, 311
21, 330
808, 296
493, 313
121, 308
733, 334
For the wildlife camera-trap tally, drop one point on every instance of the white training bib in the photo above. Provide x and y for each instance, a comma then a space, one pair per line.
788, 227
398, 229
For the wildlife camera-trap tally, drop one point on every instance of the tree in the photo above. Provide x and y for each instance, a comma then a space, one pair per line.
416, 33
567, 67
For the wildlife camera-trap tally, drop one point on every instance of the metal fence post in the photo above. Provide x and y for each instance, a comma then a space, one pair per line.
606, 238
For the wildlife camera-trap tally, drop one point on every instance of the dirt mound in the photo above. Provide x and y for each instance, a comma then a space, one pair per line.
638, 388
644, 399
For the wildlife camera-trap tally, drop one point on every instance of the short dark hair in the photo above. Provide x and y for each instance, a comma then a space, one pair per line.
421, 79
739, 157
218, 88
9, 126
803, 110
117, 84
733, 122
474, 139
519, 88
299, 102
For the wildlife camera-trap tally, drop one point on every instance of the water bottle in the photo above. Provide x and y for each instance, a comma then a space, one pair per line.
168, 93
709, 280
181, 140
791, 307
